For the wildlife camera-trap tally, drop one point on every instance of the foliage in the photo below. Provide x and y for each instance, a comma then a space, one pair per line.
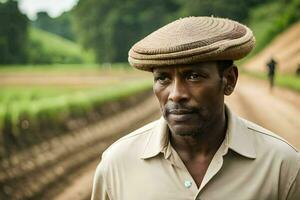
284, 80
67, 69
232, 9
13, 34
45, 47
26, 115
111, 27
268, 20
60, 25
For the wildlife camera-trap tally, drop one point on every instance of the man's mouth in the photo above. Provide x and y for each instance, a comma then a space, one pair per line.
180, 115
180, 111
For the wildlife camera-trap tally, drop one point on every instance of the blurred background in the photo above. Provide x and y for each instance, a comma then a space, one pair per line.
67, 91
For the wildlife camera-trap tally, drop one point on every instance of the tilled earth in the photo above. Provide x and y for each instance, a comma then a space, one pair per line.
277, 110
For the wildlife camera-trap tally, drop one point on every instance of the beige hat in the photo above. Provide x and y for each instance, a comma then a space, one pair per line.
191, 40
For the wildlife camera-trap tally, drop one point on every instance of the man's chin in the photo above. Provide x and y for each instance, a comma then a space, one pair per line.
182, 131
186, 134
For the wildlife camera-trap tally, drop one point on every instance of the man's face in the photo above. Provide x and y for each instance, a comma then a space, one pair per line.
191, 97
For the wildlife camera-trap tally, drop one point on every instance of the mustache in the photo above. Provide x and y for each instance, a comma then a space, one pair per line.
177, 108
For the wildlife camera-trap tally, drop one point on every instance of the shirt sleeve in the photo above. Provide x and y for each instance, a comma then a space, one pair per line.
100, 186
294, 191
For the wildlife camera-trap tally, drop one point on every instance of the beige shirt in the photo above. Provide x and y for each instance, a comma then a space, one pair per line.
252, 163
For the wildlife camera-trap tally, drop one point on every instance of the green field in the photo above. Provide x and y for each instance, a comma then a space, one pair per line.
61, 69
45, 47
283, 80
29, 112
270, 19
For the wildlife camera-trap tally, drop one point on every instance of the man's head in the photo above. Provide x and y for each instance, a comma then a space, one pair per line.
192, 63
191, 97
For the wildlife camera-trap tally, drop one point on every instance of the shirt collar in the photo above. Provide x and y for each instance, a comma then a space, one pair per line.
238, 138
158, 140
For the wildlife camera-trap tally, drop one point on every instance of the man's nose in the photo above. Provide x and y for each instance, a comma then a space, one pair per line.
178, 91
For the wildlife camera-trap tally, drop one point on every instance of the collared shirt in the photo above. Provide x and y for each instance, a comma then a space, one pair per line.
252, 163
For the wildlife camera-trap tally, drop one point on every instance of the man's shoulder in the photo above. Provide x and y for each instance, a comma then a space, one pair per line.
268, 141
131, 144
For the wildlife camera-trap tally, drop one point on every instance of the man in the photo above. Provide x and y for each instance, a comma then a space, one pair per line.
271, 71
199, 149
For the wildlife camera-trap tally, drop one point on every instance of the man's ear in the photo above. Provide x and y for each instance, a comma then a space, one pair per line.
230, 77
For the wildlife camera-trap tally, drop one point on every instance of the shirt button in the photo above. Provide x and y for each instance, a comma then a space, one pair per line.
187, 184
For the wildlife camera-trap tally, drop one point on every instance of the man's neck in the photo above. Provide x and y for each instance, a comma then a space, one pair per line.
203, 144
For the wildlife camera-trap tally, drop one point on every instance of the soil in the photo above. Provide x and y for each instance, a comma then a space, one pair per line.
277, 110
285, 49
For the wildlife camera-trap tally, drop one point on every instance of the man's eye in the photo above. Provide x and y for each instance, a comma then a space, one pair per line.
194, 77
161, 79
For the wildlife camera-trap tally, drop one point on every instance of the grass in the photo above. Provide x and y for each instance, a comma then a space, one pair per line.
31, 113
261, 28
284, 80
46, 47
270, 19
267, 21
34, 94
65, 68
27, 116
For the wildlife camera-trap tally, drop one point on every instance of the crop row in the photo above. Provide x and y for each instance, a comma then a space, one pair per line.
28, 122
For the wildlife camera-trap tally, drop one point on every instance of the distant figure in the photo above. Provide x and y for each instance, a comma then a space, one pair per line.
298, 70
271, 71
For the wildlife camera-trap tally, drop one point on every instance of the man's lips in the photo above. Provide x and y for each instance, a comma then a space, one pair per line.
180, 115
180, 111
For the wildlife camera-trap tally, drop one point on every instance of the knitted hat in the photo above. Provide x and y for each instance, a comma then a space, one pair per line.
191, 40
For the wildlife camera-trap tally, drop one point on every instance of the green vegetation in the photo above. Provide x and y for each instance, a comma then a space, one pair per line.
46, 47
270, 19
109, 28
61, 69
30, 115
60, 25
267, 21
20, 43
13, 34
125, 22
289, 81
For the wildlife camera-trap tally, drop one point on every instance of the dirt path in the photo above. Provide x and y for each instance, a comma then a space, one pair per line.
278, 111
78, 184
285, 49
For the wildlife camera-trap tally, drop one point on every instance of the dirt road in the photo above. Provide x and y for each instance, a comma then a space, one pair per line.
278, 111
284, 48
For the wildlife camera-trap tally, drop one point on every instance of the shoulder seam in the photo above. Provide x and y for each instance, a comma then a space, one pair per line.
278, 138
136, 134
127, 137
293, 180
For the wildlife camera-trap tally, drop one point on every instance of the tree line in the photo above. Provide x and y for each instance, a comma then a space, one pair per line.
110, 28
20, 43
13, 34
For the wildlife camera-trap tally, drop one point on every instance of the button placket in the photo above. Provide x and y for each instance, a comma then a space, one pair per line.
214, 166
186, 180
